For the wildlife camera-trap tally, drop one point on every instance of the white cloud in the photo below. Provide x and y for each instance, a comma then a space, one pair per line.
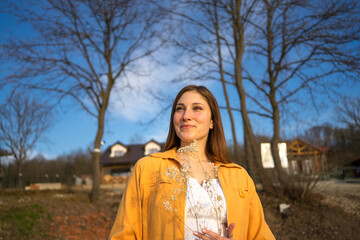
132, 97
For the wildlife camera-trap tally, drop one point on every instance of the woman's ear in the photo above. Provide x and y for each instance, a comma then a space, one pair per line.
211, 124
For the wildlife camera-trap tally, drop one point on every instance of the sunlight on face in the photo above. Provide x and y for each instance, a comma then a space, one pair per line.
192, 118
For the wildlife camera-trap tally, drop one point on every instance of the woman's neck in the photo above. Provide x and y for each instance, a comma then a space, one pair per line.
200, 146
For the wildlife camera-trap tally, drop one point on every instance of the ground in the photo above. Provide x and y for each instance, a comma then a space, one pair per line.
335, 217
68, 214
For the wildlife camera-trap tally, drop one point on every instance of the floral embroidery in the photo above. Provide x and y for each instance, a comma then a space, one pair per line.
182, 178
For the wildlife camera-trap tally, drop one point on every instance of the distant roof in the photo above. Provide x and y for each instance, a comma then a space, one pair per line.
353, 163
4, 152
152, 140
133, 154
297, 140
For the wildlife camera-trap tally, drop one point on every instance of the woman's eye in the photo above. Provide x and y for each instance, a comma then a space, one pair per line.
178, 108
197, 108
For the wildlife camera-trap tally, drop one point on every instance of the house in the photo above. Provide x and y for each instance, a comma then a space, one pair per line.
297, 157
3, 153
351, 170
305, 158
117, 160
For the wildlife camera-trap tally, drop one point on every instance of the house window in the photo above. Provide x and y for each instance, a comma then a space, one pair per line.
119, 153
152, 150
308, 166
294, 167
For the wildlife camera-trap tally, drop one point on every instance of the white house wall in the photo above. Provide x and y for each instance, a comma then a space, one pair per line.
150, 146
267, 159
117, 147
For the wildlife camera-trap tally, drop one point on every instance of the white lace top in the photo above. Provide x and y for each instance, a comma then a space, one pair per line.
205, 207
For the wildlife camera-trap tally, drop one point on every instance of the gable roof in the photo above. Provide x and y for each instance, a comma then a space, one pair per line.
133, 154
152, 140
299, 146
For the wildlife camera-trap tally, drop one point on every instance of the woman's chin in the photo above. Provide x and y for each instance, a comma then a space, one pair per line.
186, 141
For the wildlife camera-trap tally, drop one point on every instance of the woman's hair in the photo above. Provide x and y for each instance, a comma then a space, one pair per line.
216, 145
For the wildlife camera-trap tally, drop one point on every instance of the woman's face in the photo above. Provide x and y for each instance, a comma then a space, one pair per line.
192, 118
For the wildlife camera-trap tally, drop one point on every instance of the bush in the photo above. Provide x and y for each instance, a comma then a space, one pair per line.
301, 189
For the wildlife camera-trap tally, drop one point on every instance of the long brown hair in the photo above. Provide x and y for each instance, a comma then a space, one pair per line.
216, 145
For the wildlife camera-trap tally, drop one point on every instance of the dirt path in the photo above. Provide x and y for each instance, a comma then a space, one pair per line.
341, 194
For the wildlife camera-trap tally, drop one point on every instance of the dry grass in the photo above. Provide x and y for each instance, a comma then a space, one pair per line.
69, 215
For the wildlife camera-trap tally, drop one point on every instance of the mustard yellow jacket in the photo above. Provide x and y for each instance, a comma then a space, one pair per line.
142, 214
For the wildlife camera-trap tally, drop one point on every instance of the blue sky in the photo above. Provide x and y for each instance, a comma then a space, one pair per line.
75, 129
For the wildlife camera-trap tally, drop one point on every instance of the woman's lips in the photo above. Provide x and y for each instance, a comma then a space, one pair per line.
187, 126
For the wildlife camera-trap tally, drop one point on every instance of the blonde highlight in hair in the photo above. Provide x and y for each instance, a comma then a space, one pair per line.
216, 144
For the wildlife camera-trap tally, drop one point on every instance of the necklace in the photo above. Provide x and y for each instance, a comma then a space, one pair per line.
193, 165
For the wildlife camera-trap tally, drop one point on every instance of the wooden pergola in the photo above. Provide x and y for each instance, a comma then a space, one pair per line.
306, 158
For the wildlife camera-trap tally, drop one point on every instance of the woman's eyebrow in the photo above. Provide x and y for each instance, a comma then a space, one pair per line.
198, 103
195, 103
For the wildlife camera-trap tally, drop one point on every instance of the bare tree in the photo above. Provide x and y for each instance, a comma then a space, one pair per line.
349, 112
304, 45
202, 49
23, 121
239, 21
320, 135
83, 49
214, 50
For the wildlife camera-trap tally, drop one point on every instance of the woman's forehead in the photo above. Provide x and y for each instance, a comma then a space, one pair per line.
192, 97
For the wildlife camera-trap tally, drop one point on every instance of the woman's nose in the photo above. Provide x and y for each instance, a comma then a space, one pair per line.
187, 115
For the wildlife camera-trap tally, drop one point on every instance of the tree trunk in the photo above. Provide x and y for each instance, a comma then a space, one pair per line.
95, 192
222, 78
252, 153
250, 157
233, 131
18, 172
283, 177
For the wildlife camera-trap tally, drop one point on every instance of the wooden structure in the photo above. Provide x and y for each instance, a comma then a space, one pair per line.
305, 158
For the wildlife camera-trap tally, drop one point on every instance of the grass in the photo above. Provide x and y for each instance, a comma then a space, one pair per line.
25, 221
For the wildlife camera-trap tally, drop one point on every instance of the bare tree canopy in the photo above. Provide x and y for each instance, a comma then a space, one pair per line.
303, 45
274, 52
349, 112
82, 49
23, 121
213, 50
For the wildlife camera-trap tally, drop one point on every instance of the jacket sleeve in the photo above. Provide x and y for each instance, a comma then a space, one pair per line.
258, 228
128, 221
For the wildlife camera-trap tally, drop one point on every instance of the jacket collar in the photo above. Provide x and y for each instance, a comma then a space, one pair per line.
171, 154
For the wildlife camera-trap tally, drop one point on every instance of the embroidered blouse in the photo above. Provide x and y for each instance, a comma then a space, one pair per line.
205, 207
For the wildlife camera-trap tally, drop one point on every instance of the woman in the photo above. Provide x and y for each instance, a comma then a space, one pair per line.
191, 190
